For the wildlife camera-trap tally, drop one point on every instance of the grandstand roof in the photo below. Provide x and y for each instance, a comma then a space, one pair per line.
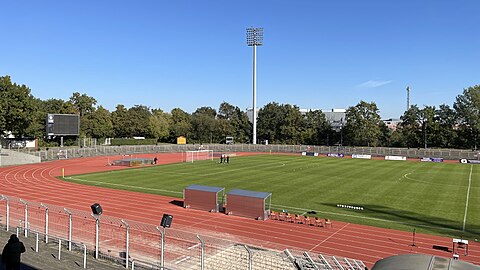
205, 188
249, 193
422, 262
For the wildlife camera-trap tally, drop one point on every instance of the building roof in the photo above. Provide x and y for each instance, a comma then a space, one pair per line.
249, 193
422, 262
205, 188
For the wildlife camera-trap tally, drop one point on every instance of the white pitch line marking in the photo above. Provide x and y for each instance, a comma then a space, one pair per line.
468, 196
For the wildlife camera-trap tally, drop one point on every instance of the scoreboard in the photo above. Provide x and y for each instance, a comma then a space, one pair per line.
63, 124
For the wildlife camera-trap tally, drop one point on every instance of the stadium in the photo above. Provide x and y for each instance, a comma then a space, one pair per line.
132, 135
199, 238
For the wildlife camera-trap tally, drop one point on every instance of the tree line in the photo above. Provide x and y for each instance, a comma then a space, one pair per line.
444, 126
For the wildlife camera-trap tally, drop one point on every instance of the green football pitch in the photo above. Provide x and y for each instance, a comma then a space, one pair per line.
437, 198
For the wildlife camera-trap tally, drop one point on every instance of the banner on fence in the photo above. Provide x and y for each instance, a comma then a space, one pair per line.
430, 159
339, 155
312, 154
362, 156
395, 158
469, 161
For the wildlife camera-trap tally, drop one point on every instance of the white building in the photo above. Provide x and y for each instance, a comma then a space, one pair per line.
392, 123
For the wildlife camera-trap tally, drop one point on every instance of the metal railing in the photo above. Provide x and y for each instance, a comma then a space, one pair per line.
76, 152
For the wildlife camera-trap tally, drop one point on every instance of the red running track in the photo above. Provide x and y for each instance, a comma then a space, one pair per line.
38, 183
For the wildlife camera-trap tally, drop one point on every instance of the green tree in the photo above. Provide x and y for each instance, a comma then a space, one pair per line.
158, 126
138, 119
231, 121
409, 130
120, 121
467, 107
98, 123
269, 121
430, 126
83, 103
447, 119
317, 130
16, 107
179, 124
203, 125
363, 124
280, 123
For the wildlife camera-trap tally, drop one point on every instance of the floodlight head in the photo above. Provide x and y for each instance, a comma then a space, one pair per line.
254, 36
96, 209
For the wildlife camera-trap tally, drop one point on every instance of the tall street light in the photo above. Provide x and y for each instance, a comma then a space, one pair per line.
254, 38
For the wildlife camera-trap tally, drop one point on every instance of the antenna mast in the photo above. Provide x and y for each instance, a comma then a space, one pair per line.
408, 97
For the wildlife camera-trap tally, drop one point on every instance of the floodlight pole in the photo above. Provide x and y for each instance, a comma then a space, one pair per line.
254, 139
254, 38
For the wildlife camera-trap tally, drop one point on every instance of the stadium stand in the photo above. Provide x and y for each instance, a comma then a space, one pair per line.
10, 157
47, 256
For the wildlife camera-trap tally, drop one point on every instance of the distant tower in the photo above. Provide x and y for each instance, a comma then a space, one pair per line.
408, 97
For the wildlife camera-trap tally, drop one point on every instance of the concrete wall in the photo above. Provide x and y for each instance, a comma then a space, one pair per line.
9, 157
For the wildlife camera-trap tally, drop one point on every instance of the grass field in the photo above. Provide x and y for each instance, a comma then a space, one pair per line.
437, 198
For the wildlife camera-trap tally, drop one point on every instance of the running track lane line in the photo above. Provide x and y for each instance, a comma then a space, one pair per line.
468, 195
329, 237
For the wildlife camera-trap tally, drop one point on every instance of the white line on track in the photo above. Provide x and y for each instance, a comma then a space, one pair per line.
468, 196
329, 237
120, 185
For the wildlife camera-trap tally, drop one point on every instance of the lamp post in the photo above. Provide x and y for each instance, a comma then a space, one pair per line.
254, 39
127, 242
69, 228
46, 221
96, 212
3, 197
166, 222
26, 217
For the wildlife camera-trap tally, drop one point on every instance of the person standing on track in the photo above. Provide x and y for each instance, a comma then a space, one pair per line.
12, 252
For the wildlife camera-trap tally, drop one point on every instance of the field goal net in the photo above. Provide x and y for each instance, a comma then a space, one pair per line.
191, 156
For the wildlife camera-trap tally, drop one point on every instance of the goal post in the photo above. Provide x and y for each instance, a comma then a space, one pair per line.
191, 156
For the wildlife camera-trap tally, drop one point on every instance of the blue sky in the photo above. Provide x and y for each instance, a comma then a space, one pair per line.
189, 54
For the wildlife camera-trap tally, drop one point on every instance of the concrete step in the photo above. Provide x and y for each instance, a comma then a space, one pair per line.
47, 257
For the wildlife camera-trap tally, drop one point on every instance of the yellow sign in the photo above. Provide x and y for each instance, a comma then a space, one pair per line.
181, 140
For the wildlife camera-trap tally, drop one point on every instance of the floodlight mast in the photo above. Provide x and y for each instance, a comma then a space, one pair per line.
254, 39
